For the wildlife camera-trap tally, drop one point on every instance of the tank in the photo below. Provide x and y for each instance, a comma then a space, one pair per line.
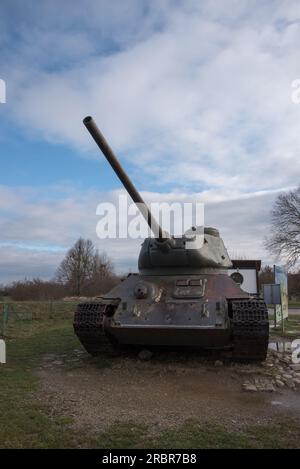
180, 297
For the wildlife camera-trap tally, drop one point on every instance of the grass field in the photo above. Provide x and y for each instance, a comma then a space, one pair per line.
291, 327
294, 304
20, 317
26, 423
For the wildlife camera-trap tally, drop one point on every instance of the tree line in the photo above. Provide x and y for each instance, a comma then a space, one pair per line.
82, 272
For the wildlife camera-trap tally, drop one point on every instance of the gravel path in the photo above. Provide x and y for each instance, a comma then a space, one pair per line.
161, 394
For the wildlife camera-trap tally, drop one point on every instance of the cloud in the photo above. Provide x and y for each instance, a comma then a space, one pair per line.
200, 90
37, 230
17, 264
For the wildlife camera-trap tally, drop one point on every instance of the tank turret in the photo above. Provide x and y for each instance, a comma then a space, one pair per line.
177, 258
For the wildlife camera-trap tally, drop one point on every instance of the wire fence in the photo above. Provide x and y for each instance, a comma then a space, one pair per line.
22, 317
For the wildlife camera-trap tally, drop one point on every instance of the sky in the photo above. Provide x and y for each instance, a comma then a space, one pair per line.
194, 96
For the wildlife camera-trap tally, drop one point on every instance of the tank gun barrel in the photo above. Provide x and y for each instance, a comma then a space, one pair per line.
100, 140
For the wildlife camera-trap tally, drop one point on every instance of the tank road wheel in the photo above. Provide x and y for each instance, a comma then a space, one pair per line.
250, 328
88, 326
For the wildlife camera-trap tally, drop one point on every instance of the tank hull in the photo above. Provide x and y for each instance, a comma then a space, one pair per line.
199, 311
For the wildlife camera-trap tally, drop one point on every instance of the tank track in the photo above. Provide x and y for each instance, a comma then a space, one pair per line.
250, 327
88, 326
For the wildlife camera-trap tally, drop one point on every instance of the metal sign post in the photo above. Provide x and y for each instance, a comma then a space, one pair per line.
281, 278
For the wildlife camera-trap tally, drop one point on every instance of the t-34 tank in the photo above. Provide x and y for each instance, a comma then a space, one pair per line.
181, 297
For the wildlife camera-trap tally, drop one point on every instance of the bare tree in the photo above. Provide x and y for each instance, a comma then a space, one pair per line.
76, 268
102, 266
284, 240
83, 267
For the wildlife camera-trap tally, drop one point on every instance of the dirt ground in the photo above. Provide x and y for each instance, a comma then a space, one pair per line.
163, 392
